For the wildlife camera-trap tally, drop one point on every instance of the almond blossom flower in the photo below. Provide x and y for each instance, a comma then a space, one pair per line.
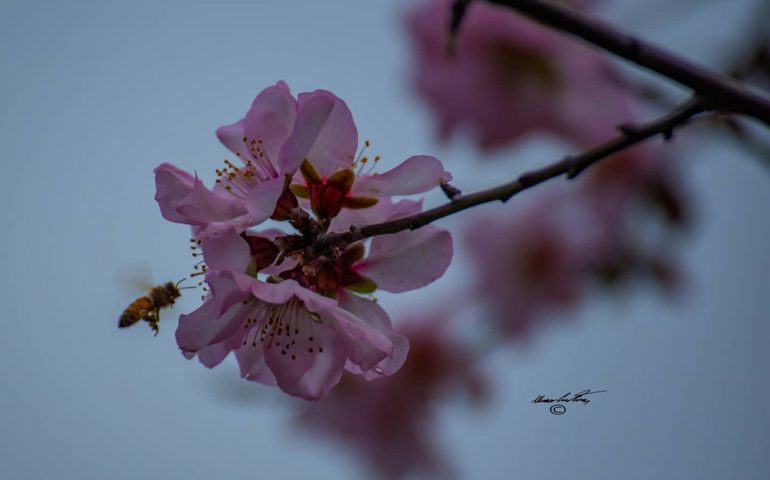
274, 137
305, 325
287, 335
287, 304
510, 76
390, 421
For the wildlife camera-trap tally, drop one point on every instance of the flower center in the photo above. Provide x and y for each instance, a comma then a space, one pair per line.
257, 169
288, 326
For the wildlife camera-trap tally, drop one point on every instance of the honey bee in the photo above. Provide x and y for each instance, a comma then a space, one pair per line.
147, 307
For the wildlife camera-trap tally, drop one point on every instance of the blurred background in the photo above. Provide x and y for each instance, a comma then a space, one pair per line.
96, 94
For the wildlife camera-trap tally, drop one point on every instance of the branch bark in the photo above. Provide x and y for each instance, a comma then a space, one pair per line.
570, 166
714, 90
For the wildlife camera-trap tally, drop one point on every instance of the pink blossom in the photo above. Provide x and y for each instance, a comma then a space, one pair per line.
292, 308
510, 77
271, 141
645, 172
533, 262
631, 196
279, 329
287, 335
390, 421
276, 137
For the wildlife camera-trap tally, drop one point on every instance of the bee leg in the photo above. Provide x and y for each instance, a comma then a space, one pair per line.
152, 319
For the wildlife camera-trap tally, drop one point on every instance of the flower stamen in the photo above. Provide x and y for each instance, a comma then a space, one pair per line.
282, 326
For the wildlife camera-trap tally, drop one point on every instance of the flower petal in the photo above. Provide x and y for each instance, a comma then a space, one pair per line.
271, 119
228, 251
218, 317
278, 293
261, 200
407, 260
415, 175
365, 345
324, 133
212, 355
231, 136
309, 372
251, 361
384, 210
377, 317
172, 184
202, 206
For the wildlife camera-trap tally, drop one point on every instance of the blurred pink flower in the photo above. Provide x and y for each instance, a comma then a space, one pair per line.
390, 421
632, 195
510, 77
533, 262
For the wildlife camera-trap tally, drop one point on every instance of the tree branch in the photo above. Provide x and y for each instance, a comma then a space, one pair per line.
715, 91
570, 166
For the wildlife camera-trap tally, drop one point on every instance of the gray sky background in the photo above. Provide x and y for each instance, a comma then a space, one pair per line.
95, 95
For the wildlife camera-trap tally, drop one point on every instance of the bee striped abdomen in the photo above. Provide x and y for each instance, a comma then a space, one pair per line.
136, 311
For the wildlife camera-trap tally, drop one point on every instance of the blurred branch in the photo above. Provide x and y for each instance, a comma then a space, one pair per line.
714, 90
570, 166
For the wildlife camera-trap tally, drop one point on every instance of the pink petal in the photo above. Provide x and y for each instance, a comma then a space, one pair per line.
383, 210
212, 355
228, 251
202, 206
251, 361
231, 137
271, 119
217, 318
365, 345
324, 133
262, 199
310, 374
407, 260
278, 293
217, 212
415, 175
377, 317
172, 184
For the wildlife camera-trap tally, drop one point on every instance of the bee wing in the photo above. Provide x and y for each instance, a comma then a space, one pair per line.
135, 276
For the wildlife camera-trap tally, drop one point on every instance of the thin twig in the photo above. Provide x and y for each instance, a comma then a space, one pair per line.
570, 166
714, 90
450, 190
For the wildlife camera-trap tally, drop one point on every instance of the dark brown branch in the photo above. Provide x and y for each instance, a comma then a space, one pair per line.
714, 90
570, 166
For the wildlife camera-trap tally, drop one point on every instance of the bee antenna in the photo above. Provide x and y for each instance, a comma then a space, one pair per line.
180, 281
